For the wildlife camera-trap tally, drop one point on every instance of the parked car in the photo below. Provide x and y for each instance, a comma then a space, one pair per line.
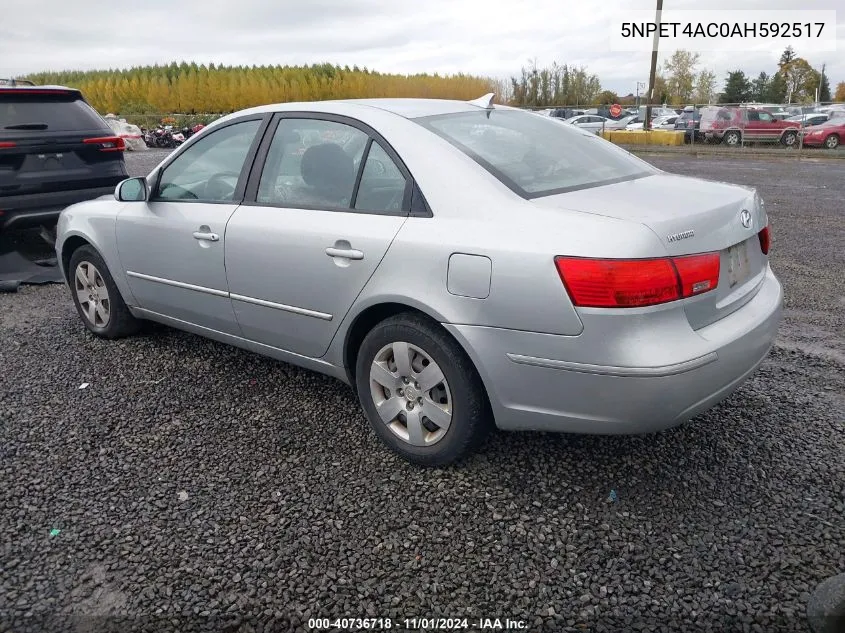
565, 113
778, 112
453, 264
658, 123
733, 126
690, 122
596, 123
657, 111
808, 119
55, 150
829, 134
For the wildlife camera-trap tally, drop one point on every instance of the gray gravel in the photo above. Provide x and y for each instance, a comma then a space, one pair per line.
196, 486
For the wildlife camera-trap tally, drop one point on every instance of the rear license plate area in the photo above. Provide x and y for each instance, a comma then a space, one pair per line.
738, 266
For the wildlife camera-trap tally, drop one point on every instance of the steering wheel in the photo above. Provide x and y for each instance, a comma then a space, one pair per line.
217, 189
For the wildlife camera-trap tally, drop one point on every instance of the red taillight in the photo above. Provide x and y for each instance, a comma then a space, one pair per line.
630, 283
108, 143
765, 240
6, 144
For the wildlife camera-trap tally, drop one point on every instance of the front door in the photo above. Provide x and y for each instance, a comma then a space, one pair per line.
328, 203
172, 246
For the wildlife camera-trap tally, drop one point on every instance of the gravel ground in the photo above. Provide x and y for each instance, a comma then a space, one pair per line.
195, 486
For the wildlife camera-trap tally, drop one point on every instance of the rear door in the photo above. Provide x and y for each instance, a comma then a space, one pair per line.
53, 141
315, 224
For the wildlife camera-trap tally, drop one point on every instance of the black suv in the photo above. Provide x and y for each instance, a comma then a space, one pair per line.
690, 122
55, 150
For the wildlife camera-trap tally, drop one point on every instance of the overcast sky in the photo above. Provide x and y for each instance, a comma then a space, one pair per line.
491, 37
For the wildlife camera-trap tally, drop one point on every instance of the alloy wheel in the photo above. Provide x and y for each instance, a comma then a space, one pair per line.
92, 294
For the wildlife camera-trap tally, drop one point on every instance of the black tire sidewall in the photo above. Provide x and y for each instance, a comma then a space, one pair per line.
121, 322
827, 140
470, 419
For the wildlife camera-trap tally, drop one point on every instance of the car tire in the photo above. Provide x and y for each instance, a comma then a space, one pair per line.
96, 297
732, 138
831, 142
789, 138
458, 400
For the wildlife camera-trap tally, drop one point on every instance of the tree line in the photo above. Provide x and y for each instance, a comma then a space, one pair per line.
193, 88
679, 81
198, 88
795, 81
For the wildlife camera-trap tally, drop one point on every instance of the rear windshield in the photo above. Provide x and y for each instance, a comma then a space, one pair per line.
52, 113
536, 156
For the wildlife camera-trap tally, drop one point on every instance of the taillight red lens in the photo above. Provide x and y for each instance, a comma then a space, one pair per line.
765, 240
697, 273
108, 143
5, 144
630, 283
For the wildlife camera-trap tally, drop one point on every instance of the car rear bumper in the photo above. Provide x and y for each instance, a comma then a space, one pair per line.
44, 208
532, 384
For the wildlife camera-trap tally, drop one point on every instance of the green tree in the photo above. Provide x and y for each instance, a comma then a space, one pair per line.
607, 97
840, 92
776, 92
705, 86
801, 80
737, 88
680, 75
760, 87
787, 56
824, 88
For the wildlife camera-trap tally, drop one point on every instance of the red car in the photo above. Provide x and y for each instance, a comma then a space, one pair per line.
732, 126
828, 134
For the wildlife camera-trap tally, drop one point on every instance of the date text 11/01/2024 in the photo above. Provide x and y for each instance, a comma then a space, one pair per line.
412, 624
723, 29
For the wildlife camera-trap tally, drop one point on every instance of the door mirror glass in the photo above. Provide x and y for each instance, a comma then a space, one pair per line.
132, 190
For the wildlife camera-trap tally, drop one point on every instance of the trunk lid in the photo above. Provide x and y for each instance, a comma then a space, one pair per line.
689, 216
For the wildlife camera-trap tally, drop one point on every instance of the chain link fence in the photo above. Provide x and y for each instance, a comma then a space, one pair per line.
727, 126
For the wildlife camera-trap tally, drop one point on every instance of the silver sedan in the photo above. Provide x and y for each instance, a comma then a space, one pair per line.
461, 265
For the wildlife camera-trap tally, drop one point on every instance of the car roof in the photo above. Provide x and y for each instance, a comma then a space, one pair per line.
408, 108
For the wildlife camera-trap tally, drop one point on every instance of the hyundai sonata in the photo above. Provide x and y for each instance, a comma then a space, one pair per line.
462, 265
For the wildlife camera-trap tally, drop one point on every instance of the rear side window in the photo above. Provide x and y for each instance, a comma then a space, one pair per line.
533, 155
51, 113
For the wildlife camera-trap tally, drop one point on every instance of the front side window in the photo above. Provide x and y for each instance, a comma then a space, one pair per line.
312, 163
534, 156
209, 170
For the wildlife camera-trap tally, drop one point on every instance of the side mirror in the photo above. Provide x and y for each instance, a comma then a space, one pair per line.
131, 190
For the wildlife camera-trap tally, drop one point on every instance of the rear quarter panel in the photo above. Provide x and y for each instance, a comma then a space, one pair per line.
475, 214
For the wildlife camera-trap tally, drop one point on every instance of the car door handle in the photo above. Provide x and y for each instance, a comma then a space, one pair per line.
208, 237
347, 253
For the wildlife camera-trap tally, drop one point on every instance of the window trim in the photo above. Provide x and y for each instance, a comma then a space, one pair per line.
246, 168
412, 192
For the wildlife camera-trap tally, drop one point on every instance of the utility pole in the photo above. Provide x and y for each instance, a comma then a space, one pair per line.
821, 83
653, 73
